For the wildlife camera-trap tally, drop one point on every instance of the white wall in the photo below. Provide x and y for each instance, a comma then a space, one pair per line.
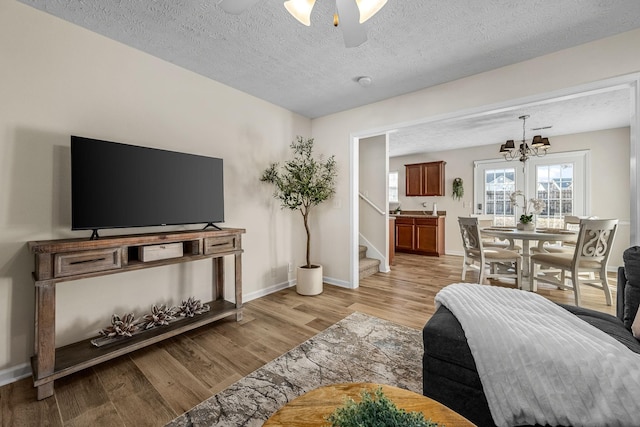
591, 62
609, 190
57, 79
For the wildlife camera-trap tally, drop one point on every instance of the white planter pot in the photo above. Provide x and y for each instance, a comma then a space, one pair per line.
309, 280
530, 226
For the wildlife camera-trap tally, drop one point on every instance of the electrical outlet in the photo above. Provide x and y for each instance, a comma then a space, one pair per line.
290, 267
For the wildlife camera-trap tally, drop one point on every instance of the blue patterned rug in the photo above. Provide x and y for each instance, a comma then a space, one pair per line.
359, 348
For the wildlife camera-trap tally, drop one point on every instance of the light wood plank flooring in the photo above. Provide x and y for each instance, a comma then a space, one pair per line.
152, 386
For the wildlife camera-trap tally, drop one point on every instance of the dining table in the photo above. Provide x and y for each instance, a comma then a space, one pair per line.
539, 235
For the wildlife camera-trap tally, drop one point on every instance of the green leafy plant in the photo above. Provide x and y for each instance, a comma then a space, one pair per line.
458, 189
303, 182
376, 410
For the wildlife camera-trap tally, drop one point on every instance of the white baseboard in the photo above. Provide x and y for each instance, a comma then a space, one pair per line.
271, 289
456, 253
14, 373
337, 282
289, 284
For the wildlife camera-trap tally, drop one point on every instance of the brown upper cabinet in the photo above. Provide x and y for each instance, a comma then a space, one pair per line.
425, 179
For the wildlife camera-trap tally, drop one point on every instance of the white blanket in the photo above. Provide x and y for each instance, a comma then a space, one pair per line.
539, 363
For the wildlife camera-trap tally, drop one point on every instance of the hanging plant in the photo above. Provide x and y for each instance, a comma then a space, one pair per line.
458, 189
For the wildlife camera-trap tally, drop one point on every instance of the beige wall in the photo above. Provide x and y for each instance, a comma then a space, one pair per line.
609, 152
373, 184
58, 79
602, 59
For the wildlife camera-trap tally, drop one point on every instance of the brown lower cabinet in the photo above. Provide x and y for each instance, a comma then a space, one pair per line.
420, 235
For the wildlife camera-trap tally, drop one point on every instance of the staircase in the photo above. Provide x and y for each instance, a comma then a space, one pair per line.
368, 266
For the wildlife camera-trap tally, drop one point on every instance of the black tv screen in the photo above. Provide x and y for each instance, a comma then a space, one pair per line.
116, 185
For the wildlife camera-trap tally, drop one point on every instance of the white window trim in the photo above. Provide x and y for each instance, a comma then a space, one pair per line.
582, 175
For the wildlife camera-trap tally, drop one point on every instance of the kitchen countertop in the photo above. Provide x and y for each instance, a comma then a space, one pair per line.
417, 214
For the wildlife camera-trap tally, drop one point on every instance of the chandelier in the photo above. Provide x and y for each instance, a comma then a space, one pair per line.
538, 147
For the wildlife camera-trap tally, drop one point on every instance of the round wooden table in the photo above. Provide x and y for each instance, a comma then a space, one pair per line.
313, 408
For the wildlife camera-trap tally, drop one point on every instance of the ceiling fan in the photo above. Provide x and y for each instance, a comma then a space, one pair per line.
350, 14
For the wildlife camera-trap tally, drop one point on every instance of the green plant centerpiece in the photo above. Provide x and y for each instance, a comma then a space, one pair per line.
300, 184
529, 208
376, 410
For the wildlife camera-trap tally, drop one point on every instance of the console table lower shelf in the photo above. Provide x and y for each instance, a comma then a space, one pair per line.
82, 354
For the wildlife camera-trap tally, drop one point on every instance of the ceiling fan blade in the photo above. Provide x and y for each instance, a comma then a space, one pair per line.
236, 7
353, 31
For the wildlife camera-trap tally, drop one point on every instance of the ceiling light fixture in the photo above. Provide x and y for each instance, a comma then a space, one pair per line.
538, 147
349, 15
301, 9
368, 8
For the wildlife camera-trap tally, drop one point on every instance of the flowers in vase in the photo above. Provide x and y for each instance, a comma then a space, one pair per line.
530, 207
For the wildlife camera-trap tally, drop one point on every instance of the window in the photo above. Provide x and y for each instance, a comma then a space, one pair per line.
393, 187
498, 180
554, 185
560, 179
499, 184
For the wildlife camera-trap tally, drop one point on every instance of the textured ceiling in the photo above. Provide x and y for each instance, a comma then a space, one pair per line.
412, 44
606, 109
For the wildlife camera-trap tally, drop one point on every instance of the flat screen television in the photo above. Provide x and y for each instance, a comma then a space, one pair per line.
115, 185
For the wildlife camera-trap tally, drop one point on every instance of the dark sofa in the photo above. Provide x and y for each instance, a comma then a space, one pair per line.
449, 371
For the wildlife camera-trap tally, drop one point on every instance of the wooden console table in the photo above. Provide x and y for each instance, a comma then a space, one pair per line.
72, 259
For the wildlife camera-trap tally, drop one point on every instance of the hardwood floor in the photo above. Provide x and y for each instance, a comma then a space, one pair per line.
154, 385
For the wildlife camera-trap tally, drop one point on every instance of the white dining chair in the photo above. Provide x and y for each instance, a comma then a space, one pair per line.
571, 223
490, 262
591, 255
494, 242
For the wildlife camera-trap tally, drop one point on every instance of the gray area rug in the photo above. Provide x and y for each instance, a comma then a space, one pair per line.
359, 348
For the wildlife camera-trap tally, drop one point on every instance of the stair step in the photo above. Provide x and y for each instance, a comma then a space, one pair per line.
362, 250
368, 266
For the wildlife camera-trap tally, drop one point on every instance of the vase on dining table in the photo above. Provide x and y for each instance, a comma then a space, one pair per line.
526, 226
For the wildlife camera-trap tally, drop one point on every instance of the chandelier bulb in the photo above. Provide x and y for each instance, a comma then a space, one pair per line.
336, 21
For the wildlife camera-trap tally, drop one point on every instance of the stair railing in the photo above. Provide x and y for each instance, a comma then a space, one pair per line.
373, 205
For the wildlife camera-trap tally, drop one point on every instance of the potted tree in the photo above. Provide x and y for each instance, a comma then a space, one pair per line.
302, 183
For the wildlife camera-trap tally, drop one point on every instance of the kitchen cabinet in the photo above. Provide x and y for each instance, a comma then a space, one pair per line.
425, 179
404, 234
420, 235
